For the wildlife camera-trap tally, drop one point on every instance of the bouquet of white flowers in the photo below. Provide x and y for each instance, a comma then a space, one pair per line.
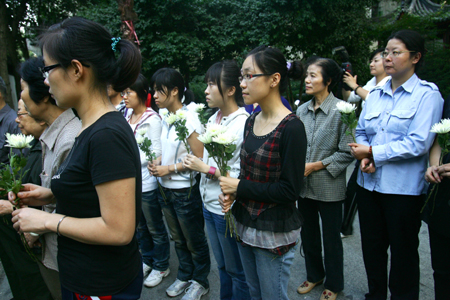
219, 144
178, 120
12, 174
145, 144
348, 117
202, 113
442, 129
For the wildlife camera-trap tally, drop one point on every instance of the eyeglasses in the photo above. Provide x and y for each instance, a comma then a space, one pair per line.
385, 53
22, 114
127, 93
45, 70
247, 77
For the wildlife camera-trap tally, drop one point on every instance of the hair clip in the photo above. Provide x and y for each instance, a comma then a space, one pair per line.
114, 43
288, 65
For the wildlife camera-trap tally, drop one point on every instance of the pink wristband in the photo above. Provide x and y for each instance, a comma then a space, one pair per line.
212, 173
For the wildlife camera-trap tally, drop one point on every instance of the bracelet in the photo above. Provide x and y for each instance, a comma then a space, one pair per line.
370, 152
211, 173
59, 223
356, 88
176, 170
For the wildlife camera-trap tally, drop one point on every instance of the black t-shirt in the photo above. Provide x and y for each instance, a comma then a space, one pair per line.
103, 152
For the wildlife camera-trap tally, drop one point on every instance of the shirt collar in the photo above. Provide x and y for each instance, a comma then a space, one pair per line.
325, 106
407, 86
50, 135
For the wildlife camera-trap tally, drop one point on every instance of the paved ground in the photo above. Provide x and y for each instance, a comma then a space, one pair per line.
355, 277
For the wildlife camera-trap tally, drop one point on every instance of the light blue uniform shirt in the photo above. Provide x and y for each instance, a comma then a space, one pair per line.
398, 128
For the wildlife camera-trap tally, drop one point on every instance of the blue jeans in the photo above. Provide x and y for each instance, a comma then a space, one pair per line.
267, 273
184, 217
152, 234
233, 285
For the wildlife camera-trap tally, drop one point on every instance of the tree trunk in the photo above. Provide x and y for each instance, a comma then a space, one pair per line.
4, 32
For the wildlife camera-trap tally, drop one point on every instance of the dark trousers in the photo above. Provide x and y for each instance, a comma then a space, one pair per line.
440, 261
390, 221
23, 273
331, 216
350, 206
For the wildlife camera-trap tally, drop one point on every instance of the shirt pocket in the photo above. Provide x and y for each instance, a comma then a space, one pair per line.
400, 121
372, 122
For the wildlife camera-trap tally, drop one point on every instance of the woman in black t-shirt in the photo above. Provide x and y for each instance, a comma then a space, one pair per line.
98, 187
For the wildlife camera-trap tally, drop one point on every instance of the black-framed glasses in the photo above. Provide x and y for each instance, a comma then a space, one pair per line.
248, 77
22, 114
385, 53
45, 70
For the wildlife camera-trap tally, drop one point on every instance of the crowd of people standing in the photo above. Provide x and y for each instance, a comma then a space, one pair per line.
104, 200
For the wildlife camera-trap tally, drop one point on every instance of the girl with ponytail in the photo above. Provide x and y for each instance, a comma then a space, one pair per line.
152, 234
271, 174
182, 206
98, 187
223, 92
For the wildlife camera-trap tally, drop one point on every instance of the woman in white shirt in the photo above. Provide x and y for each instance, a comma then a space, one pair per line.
181, 202
152, 234
223, 92
379, 78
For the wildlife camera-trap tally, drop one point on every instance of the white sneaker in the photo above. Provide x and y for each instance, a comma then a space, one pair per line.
146, 269
156, 277
176, 288
195, 291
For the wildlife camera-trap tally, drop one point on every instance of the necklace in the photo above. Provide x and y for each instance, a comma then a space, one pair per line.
138, 118
267, 123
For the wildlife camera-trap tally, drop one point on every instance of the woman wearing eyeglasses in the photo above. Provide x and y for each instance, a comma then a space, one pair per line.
272, 166
393, 139
97, 189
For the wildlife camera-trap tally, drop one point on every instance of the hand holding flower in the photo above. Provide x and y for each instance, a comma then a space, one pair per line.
226, 201
192, 162
5, 207
228, 184
30, 220
359, 151
432, 175
34, 195
443, 171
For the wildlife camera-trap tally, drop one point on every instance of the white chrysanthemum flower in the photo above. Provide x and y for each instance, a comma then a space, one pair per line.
171, 118
216, 129
139, 139
297, 102
164, 112
442, 127
205, 138
225, 138
18, 141
141, 131
345, 107
199, 107
181, 114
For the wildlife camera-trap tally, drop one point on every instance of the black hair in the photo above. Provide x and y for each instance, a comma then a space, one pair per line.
166, 79
30, 73
142, 90
374, 53
228, 73
270, 60
2, 87
91, 44
331, 71
414, 42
